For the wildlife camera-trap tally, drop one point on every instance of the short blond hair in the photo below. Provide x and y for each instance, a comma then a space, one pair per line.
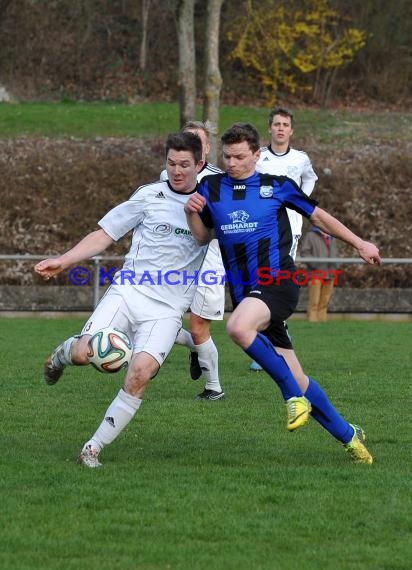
206, 127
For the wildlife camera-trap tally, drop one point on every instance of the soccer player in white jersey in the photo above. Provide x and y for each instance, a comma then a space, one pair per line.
209, 301
280, 159
150, 312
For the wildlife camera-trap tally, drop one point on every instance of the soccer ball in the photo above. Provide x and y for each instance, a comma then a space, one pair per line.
110, 350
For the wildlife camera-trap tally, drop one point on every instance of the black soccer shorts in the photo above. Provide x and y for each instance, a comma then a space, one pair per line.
282, 300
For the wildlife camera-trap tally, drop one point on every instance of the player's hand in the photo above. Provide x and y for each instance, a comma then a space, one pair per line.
370, 253
49, 268
195, 204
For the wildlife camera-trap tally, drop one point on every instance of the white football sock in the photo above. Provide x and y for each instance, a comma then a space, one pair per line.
209, 363
184, 338
64, 351
120, 412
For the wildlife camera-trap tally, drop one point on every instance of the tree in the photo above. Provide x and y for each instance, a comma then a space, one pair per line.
184, 11
300, 39
4, 95
3, 6
326, 46
143, 43
382, 70
213, 78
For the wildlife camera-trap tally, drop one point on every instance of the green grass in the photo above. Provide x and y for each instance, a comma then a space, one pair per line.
149, 119
199, 485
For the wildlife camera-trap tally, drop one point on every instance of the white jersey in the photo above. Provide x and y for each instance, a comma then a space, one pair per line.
164, 257
295, 164
213, 260
209, 299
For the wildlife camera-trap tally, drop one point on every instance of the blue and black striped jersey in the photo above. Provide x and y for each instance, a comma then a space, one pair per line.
251, 224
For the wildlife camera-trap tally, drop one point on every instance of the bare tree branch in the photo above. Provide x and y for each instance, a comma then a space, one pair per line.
187, 62
213, 78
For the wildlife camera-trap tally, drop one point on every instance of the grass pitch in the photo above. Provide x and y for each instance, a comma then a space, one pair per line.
158, 119
206, 485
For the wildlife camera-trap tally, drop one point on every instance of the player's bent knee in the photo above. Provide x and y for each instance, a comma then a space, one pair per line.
135, 386
200, 334
137, 380
199, 329
237, 333
141, 370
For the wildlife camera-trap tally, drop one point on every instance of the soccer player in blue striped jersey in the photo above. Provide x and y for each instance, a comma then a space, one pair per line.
281, 159
246, 211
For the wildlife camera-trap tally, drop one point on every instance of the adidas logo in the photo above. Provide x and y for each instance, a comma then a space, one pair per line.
265, 159
218, 313
160, 195
110, 421
162, 355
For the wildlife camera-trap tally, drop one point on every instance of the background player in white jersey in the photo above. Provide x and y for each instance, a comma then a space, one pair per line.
280, 159
209, 301
149, 312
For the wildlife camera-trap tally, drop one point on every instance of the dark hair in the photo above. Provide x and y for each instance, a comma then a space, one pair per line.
240, 132
280, 111
185, 141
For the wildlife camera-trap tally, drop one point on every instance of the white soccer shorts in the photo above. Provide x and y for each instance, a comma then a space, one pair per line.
156, 337
209, 302
209, 299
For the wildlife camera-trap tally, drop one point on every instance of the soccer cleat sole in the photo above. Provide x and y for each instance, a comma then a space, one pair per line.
51, 375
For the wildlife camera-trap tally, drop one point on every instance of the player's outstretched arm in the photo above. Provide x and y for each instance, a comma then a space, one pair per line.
366, 250
193, 207
93, 244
